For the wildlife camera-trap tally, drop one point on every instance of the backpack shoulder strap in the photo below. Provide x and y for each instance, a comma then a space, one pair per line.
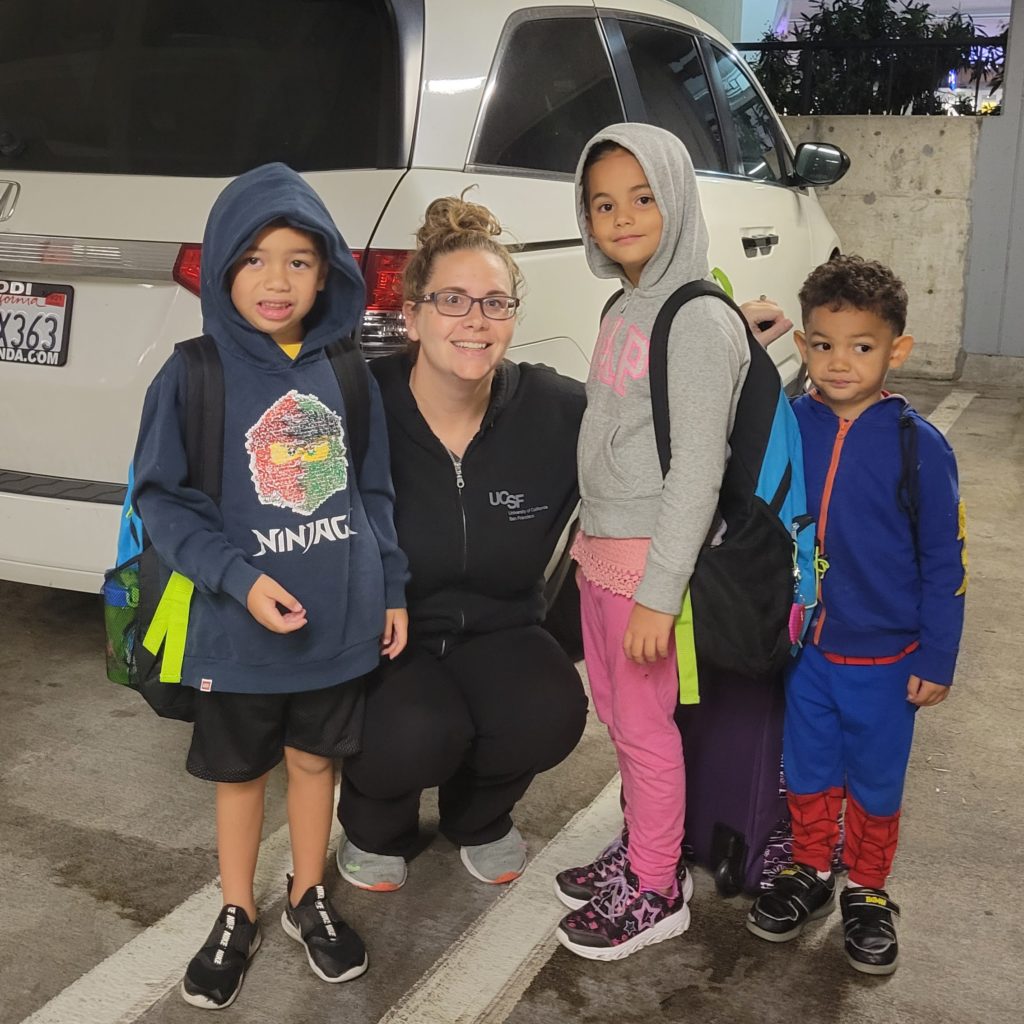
908, 491
204, 414
612, 299
658, 357
346, 358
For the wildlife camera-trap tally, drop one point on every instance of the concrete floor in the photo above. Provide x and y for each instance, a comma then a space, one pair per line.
102, 834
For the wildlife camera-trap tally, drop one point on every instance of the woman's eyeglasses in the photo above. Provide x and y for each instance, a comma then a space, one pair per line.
494, 307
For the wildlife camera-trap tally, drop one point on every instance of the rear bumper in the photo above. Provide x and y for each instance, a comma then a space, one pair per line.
52, 542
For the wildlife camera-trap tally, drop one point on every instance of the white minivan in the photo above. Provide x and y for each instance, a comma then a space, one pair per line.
120, 122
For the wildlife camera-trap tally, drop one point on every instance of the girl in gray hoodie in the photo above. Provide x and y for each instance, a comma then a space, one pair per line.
641, 220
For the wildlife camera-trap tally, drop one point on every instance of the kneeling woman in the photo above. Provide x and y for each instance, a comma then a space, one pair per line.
483, 457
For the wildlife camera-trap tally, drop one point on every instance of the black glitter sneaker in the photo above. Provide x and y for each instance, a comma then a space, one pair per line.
576, 887
214, 975
868, 931
622, 918
797, 895
333, 949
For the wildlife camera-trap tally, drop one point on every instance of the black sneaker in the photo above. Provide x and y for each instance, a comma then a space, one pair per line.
797, 895
214, 975
868, 932
333, 949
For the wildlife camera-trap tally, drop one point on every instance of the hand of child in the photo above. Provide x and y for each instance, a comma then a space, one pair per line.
396, 632
647, 634
766, 311
262, 601
925, 694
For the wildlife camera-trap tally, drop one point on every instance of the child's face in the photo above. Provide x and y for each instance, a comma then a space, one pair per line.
622, 214
275, 283
848, 353
468, 347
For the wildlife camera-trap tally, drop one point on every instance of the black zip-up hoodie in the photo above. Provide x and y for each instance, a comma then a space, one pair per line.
478, 552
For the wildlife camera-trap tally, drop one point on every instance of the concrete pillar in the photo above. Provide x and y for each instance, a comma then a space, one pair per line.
994, 312
725, 15
758, 17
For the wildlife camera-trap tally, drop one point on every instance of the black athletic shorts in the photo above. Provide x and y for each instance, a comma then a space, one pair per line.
237, 737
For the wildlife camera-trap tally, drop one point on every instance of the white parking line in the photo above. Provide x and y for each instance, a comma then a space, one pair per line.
949, 410
481, 977
121, 988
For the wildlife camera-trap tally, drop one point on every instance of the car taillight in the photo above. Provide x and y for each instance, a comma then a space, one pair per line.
383, 323
186, 266
383, 269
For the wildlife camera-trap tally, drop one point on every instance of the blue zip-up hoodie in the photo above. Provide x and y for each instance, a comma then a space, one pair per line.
291, 506
887, 586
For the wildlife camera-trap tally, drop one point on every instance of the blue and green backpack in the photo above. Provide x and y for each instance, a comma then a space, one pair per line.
146, 604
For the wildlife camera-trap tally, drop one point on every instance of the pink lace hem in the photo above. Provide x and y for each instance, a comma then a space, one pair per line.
612, 563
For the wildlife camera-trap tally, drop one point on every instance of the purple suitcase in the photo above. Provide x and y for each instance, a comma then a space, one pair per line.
735, 800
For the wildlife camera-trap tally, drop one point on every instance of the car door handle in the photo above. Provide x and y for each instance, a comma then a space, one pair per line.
759, 245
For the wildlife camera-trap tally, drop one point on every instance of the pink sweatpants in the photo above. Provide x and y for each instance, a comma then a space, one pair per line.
636, 703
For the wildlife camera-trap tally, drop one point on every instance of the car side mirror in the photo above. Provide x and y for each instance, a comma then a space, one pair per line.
818, 163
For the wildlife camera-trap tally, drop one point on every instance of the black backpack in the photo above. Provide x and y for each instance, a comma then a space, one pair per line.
133, 589
748, 595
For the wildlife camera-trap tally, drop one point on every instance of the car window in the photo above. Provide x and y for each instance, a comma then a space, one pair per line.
553, 89
754, 123
675, 89
189, 87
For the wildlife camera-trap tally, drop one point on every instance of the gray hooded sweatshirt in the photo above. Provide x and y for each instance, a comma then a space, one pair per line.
623, 493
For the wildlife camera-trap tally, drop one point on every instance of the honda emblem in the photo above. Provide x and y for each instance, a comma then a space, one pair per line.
9, 191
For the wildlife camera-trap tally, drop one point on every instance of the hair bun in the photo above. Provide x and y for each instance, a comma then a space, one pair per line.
452, 218
452, 224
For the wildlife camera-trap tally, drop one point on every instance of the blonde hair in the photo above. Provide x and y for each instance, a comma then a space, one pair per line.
452, 224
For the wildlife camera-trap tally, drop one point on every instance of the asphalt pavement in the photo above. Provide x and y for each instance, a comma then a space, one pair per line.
107, 848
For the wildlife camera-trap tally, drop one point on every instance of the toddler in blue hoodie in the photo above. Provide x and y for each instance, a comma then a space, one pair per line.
882, 485
299, 580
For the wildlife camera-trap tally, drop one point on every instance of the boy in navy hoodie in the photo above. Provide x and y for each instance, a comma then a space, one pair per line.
882, 484
299, 581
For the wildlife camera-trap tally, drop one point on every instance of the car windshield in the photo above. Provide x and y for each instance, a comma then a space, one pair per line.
190, 87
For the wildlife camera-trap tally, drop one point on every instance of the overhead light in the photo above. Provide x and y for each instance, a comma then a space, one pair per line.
453, 86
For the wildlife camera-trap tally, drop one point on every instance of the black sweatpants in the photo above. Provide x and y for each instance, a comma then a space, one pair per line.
479, 723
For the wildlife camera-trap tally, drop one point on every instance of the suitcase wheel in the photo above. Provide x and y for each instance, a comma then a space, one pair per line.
726, 881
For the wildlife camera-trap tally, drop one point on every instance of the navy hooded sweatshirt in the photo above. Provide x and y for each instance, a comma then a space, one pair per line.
889, 587
305, 521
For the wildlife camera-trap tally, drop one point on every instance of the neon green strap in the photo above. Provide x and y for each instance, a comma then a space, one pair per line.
686, 655
723, 281
169, 627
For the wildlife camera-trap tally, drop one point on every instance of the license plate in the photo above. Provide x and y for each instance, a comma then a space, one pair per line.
35, 322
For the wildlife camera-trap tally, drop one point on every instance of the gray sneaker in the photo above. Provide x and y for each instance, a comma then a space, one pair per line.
374, 871
497, 862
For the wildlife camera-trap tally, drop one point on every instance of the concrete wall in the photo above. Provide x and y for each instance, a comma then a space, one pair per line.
739, 20
725, 15
758, 17
906, 201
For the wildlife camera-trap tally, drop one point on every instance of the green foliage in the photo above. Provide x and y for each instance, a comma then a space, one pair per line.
996, 69
827, 79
